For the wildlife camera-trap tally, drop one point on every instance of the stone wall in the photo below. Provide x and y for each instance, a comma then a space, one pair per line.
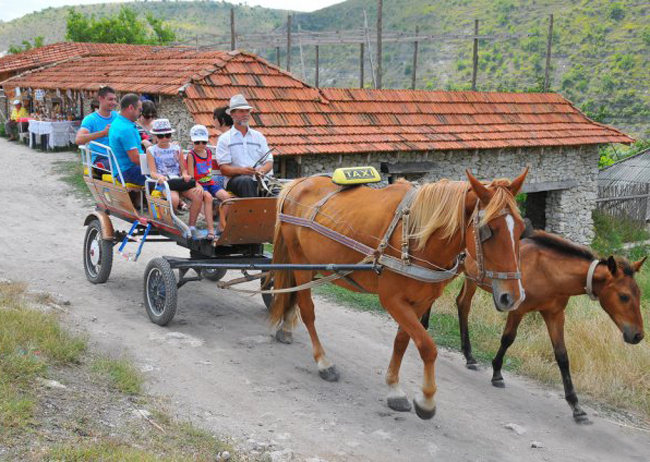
172, 108
567, 211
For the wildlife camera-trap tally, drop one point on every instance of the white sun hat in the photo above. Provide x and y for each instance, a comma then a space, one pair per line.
161, 127
17, 102
199, 133
238, 102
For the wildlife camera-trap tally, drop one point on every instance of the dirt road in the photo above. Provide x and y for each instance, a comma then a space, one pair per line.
221, 368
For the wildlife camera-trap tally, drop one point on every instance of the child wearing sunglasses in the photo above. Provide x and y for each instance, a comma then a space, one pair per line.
165, 164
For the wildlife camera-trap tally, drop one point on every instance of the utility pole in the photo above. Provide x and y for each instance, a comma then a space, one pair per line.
380, 5
547, 71
233, 42
475, 56
317, 65
289, 43
415, 59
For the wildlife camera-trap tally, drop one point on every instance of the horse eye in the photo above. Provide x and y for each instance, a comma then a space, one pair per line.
624, 298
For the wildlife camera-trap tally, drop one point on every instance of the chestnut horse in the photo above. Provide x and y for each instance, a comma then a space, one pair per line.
440, 228
554, 270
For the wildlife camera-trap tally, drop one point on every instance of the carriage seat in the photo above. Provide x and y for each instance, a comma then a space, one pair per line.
348, 176
109, 179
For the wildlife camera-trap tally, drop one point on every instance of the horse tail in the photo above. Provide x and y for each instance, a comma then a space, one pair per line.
281, 279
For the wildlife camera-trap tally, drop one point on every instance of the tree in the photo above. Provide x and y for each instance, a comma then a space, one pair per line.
125, 27
26, 45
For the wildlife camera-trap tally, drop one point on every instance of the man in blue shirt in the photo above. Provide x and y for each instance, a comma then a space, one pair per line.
125, 141
95, 126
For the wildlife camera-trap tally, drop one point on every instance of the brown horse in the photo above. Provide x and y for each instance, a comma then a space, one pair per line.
554, 270
440, 228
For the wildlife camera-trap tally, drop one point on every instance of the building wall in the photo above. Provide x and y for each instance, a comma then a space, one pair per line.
568, 211
172, 108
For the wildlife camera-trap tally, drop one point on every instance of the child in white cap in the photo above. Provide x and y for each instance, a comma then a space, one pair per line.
199, 163
165, 164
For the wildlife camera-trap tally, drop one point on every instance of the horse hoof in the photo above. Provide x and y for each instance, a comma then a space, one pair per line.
498, 383
283, 336
424, 414
399, 404
582, 419
330, 374
472, 366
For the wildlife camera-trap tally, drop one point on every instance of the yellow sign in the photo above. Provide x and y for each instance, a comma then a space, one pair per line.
355, 175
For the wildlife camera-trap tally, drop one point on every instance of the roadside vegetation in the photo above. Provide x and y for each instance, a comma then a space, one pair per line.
61, 401
603, 367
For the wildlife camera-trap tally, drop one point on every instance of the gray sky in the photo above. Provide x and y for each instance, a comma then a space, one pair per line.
11, 9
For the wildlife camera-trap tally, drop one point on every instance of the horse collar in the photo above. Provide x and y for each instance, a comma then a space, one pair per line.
590, 280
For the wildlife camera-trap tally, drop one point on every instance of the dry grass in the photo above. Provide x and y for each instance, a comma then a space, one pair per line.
602, 365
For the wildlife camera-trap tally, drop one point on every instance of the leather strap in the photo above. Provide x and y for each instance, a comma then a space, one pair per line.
589, 288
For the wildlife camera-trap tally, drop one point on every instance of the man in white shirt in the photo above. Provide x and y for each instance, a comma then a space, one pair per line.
241, 151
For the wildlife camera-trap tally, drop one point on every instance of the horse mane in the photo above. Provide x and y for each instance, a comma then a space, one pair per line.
441, 206
567, 247
562, 246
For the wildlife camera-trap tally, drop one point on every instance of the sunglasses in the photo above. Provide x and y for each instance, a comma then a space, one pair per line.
164, 135
200, 142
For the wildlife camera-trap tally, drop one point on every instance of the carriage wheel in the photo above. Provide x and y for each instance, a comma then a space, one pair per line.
160, 291
213, 274
98, 254
268, 298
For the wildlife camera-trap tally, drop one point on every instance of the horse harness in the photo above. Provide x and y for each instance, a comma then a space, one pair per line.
402, 265
589, 288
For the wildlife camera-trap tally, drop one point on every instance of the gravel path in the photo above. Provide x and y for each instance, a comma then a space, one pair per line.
219, 365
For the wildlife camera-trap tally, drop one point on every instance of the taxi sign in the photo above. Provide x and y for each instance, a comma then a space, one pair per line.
355, 175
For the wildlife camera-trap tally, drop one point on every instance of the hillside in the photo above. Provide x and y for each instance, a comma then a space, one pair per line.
601, 49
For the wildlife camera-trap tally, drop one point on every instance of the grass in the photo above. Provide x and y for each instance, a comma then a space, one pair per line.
121, 373
33, 344
30, 341
71, 172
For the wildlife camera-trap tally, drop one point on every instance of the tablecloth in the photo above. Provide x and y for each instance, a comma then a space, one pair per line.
59, 134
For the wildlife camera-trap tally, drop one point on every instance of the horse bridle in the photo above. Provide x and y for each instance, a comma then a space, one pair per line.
482, 234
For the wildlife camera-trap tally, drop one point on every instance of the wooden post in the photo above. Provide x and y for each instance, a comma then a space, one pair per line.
361, 59
277, 55
415, 59
547, 71
233, 41
289, 43
380, 5
317, 65
475, 56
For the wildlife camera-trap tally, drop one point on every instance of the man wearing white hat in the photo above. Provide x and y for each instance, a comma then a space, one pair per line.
242, 152
17, 113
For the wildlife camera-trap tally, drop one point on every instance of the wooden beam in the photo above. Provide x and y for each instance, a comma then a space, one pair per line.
475, 56
380, 7
548, 186
402, 168
233, 41
289, 43
414, 71
549, 42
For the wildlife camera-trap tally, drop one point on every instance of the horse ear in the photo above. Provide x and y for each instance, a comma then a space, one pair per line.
636, 266
479, 188
611, 264
518, 182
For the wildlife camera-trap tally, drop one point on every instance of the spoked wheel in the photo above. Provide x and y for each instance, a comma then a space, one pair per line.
160, 291
268, 298
213, 274
98, 254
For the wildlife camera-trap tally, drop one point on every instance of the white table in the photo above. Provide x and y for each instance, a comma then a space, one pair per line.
59, 134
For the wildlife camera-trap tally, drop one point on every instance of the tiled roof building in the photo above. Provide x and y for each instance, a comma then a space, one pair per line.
418, 134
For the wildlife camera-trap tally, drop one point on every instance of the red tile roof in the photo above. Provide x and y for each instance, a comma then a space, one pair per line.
298, 119
56, 52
